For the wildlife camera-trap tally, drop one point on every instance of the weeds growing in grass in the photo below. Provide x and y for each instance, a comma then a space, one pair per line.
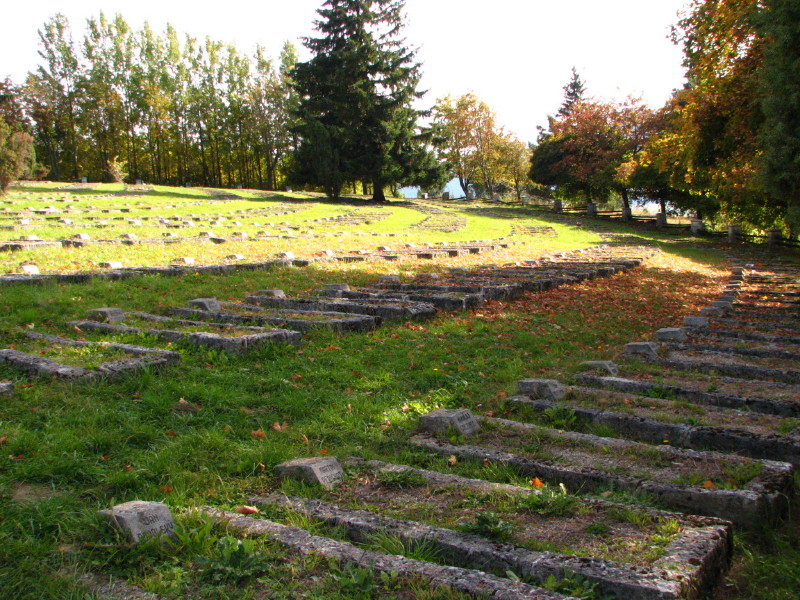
401, 479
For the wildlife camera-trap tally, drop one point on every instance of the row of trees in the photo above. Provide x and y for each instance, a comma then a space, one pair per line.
726, 145
482, 155
171, 110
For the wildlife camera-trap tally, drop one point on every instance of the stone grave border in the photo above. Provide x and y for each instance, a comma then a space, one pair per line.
782, 408
261, 336
717, 439
691, 562
469, 581
387, 310
38, 365
336, 321
764, 497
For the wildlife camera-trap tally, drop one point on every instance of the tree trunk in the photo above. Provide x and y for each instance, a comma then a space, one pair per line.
377, 192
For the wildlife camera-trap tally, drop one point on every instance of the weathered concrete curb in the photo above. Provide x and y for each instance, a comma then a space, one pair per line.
718, 439
764, 498
336, 321
387, 310
783, 408
239, 344
754, 352
695, 559
741, 371
471, 551
463, 580
37, 365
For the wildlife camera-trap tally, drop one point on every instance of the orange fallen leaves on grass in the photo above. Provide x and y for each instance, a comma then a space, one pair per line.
709, 485
167, 489
324, 451
279, 428
296, 377
258, 433
305, 439
3, 440
453, 460
537, 483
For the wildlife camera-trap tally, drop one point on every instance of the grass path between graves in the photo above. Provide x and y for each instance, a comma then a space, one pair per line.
209, 431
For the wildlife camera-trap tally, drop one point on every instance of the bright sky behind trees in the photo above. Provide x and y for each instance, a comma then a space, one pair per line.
516, 55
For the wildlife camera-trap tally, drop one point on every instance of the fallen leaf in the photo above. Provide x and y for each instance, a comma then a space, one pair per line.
349, 409
245, 410
278, 427
167, 489
386, 426
127, 468
305, 439
170, 434
3, 440
709, 485
258, 433
453, 460
296, 377
246, 510
261, 467
324, 451
537, 483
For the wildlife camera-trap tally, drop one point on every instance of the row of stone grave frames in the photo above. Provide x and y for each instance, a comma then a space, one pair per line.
692, 550
738, 470
239, 327
186, 265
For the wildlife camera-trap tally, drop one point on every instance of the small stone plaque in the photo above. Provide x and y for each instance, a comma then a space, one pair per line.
698, 322
389, 279
724, 305
544, 389
271, 293
107, 315
6, 389
326, 471
205, 303
646, 349
141, 519
671, 334
336, 287
605, 366
29, 269
441, 420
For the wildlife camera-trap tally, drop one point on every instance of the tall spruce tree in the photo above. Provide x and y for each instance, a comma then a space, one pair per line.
573, 93
355, 113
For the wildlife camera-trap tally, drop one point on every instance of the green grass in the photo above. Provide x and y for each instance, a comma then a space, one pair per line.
71, 448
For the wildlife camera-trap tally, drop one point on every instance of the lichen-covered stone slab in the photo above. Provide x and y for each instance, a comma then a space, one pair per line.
140, 520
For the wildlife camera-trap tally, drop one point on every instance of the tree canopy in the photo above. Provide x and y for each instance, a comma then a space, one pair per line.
355, 116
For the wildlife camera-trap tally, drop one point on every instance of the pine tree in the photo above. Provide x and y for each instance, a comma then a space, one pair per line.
356, 119
573, 94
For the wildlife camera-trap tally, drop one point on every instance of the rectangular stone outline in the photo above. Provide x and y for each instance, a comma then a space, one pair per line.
388, 310
341, 322
38, 365
237, 345
468, 581
784, 408
691, 564
721, 439
764, 498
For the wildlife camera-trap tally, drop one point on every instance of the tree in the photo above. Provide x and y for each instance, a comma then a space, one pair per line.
16, 155
355, 100
467, 139
574, 93
780, 103
582, 152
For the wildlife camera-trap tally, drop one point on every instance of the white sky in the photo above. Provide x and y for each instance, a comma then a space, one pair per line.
516, 55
